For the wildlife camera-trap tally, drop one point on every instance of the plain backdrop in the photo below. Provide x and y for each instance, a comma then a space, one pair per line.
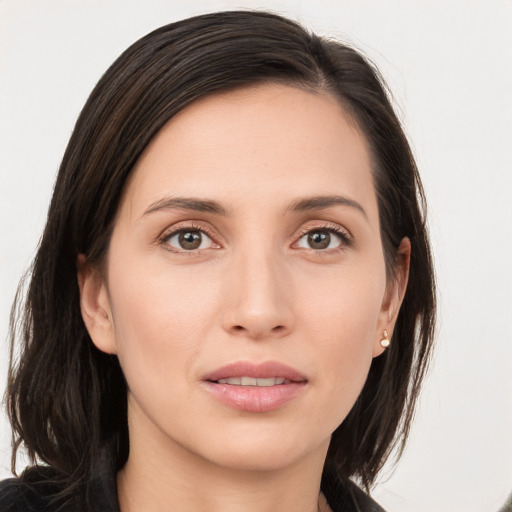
448, 65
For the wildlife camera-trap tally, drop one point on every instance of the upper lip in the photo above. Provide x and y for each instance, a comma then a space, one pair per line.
256, 370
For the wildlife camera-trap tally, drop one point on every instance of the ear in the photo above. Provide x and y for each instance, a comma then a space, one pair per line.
95, 306
393, 297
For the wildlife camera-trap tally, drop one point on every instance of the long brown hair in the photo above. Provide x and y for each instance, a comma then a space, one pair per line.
66, 399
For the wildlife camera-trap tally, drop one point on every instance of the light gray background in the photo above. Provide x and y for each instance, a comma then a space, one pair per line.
448, 64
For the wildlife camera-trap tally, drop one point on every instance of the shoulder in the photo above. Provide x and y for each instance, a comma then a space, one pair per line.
346, 496
35, 490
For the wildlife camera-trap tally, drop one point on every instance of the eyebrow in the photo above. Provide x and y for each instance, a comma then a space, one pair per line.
323, 202
209, 206
186, 203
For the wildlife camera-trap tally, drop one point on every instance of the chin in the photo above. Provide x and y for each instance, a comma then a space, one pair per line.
261, 453
266, 460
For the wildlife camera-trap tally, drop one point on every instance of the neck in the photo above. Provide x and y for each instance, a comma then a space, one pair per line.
161, 475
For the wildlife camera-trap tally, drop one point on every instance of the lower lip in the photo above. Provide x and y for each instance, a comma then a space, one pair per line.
255, 398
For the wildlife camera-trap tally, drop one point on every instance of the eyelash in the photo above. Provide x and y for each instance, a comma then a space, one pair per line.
346, 239
184, 228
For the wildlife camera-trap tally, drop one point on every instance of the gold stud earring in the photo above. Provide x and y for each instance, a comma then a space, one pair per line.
384, 342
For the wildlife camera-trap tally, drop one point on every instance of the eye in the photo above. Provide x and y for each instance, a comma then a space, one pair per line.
188, 240
322, 239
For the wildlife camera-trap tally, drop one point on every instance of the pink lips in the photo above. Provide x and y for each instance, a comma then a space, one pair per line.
254, 398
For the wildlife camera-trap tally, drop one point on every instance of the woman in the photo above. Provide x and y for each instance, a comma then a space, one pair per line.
232, 304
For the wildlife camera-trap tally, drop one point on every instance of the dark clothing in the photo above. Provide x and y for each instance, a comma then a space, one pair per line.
36, 490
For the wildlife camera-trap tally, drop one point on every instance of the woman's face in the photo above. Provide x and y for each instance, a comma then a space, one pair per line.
245, 292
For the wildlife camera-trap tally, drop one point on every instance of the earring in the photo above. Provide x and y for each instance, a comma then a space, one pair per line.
384, 342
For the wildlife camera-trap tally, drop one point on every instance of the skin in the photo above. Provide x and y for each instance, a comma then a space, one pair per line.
255, 291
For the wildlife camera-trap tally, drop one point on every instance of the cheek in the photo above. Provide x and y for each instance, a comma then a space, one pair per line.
344, 304
342, 320
160, 318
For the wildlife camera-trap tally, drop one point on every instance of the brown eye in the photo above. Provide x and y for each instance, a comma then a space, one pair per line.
189, 240
321, 239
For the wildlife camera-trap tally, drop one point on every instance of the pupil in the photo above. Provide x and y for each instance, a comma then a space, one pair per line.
319, 240
190, 240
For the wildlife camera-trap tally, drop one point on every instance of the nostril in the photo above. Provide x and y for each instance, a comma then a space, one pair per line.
278, 330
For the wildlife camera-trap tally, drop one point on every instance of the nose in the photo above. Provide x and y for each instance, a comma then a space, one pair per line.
259, 304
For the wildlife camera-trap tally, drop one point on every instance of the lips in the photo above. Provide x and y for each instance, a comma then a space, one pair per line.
255, 387
266, 370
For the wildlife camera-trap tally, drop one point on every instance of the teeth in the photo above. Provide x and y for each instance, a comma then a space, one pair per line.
233, 381
251, 381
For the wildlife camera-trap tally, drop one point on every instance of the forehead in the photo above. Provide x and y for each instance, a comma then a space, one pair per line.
270, 141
